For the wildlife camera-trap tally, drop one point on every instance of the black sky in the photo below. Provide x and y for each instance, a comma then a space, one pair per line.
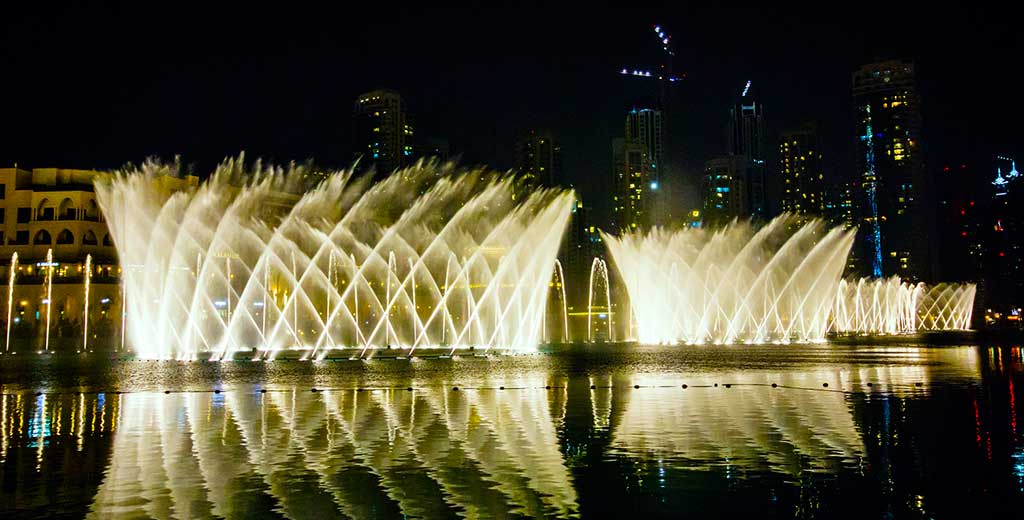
98, 85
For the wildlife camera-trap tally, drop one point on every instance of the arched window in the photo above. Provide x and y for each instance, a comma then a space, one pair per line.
89, 238
92, 212
44, 212
106, 240
66, 210
65, 237
42, 238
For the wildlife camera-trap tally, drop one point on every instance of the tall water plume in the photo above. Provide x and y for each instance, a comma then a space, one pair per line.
429, 256
734, 285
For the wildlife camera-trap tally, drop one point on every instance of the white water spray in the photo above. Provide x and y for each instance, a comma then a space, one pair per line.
10, 298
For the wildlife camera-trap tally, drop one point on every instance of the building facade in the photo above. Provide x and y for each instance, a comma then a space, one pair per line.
724, 188
538, 157
55, 243
644, 127
801, 168
384, 133
896, 220
747, 138
631, 184
840, 210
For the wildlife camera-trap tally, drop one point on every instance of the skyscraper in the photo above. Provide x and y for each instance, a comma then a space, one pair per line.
383, 131
538, 156
724, 189
747, 139
893, 211
840, 211
643, 126
801, 170
630, 168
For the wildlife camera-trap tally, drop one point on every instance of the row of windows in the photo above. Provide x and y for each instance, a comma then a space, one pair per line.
65, 237
25, 215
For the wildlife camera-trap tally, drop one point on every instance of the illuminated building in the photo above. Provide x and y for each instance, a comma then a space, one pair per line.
383, 131
581, 245
962, 213
747, 138
55, 209
538, 157
693, 219
431, 148
801, 170
724, 188
643, 126
630, 167
840, 211
894, 216
1004, 234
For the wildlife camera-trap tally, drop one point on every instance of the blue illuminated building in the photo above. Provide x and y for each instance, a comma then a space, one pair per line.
894, 213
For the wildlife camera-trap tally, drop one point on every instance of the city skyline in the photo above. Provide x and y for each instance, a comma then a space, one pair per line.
287, 95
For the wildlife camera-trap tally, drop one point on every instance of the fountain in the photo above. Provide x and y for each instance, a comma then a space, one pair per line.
780, 283
49, 296
10, 298
426, 257
85, 303
599, 275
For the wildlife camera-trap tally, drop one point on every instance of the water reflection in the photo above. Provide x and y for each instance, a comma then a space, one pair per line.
935, 433
426, 453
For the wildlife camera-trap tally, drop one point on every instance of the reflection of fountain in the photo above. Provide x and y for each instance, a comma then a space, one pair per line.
471, 250
10, 298
482, 454
783, 429
779, 283
600, 269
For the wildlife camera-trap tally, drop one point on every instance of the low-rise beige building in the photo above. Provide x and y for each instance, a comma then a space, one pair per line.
53, 211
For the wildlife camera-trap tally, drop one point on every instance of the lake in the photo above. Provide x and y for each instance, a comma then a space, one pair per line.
897, 430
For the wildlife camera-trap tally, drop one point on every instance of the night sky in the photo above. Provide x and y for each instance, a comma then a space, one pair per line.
95, 86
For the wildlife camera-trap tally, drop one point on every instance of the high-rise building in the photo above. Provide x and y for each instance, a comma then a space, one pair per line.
643, 126
383, 131
801, 169
724, 186
747, 138
893, 211
630, 168
538, 157
840, 211
963, 214
1004, 237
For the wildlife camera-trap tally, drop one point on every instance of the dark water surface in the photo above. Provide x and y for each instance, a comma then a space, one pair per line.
899, 431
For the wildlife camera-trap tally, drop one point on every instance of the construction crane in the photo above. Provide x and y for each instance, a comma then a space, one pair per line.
665, 75
664, 72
